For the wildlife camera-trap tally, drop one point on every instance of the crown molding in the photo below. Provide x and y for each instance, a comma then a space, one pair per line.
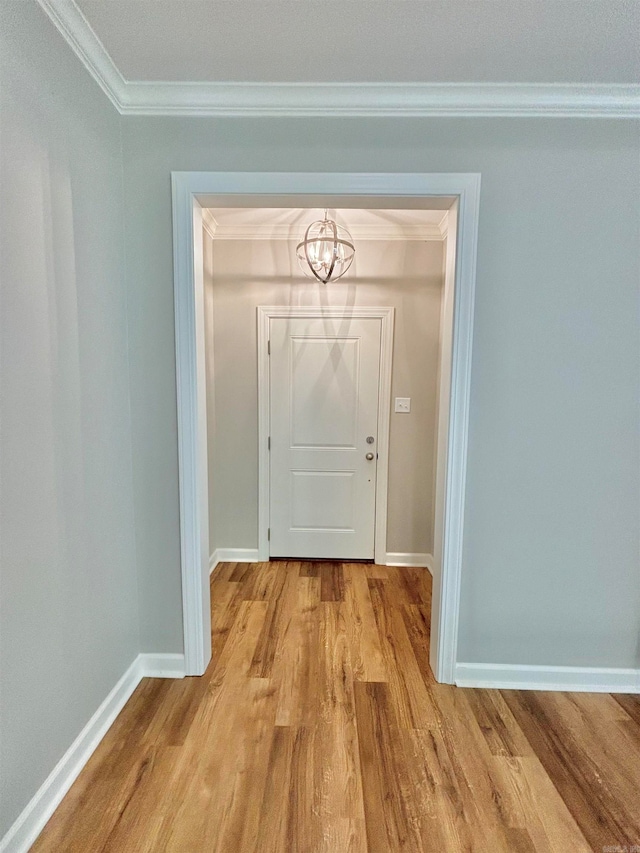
209, 222
561, 100
77, 31
266, 231
383, 99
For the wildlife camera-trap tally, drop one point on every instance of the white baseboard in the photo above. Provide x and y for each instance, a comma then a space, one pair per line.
162, 666
42, 805
233, 555
251, 555
402, 558
504, 676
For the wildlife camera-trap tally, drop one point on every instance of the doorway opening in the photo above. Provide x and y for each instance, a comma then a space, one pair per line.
324, 455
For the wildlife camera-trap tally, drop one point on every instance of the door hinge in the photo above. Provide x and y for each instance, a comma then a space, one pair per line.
269, 443
268, 347
268, 534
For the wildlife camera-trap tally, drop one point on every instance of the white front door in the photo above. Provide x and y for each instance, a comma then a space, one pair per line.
324, 378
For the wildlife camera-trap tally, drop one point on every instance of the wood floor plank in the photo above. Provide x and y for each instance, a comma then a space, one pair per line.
373, 570
222, 741
435, 813
332, 582
410, 694
223, 571
525, 786
499, 728
238, 825
275, 807
336, 753
297, 666
318, 728
467, 760
278, 614
224, 610
309, 569
304, 828
242, 572
408, 583
385, 775
131, 731
630, 704
140, 817
367, 659
607, 814
417, 621
326, 810
259, 587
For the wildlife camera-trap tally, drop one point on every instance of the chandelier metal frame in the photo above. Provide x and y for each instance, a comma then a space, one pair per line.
336, 240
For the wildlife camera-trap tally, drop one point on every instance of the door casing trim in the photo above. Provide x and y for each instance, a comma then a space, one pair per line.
187, 188
387, 316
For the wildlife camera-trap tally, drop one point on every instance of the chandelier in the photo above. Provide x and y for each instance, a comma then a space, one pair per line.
326, 251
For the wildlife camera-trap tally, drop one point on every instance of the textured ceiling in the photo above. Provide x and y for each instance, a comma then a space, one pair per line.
516, 41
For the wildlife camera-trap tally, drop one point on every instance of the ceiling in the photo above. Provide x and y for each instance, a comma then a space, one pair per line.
289, 223
436, 58
378, 41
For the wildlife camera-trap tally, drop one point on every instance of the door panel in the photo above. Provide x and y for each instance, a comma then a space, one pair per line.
324, 379
322, 500
324, 376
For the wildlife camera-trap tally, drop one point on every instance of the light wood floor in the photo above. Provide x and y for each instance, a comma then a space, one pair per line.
318, 727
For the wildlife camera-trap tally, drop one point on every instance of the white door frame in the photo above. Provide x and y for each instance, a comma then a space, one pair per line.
386, 315
187, 188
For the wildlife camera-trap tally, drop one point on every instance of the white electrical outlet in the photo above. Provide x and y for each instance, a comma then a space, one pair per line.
403, 404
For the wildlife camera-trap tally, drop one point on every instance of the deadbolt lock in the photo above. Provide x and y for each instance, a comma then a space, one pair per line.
370, 439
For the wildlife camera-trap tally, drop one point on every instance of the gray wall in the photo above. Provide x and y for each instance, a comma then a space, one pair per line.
69, 599
551, 526
243, 274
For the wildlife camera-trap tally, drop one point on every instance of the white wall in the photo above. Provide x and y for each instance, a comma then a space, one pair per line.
242, 274
68, 623
550, 572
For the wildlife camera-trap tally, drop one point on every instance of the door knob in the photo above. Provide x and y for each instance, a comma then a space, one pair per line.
369, 456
